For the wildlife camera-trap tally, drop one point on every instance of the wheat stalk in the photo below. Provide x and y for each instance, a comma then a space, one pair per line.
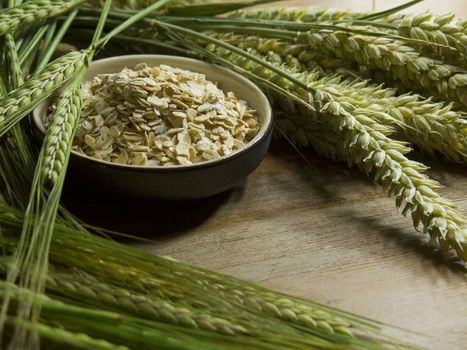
128, 330
101, 294
238, 295
111, 326
63, 337
193, 286
30, 261
197, 284
16, 148
141, 4
165, 287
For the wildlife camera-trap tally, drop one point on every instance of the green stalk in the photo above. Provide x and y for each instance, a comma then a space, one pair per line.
270, 28
131, 21
30, 259
16, 148
385, 13
213, 9
63, 337
26, 51
206, 38
46, 43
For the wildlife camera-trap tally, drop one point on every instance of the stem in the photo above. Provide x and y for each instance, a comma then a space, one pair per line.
385, 13
47, 54
129, 22
25, 52
100, 26
212, 9
233, 49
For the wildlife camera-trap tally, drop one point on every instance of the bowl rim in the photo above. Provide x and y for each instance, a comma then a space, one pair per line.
260, 136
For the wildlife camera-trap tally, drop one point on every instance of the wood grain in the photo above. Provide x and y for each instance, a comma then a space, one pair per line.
318, 231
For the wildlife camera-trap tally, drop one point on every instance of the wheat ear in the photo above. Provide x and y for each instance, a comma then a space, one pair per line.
433, 127
167, 286
60, 133
398, 61
21, 101
14, 18
445, 30
297, 14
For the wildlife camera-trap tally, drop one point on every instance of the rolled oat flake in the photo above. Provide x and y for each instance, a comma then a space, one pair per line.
156, 116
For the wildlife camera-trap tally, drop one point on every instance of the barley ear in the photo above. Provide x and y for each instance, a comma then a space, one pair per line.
21, 101
297, 14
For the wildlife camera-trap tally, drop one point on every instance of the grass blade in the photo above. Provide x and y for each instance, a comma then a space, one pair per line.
213, 9
391, 11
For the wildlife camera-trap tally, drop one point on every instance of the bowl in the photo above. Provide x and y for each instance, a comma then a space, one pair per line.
179, 182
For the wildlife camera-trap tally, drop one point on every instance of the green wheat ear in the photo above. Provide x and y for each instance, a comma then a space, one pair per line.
446, 30
432, 126
14, 18
397, 60
60, 133
298, 14
21, 101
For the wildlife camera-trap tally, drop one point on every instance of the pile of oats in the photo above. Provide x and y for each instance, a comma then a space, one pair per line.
161, 115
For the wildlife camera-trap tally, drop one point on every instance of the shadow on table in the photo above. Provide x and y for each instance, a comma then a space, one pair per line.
141, 217
416, 242
331, 173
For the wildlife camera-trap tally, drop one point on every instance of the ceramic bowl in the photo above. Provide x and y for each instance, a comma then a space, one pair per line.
175, 182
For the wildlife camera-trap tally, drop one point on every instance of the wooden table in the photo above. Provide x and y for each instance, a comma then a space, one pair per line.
320, 231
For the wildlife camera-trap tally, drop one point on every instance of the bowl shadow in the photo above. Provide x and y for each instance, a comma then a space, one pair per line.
145, 218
